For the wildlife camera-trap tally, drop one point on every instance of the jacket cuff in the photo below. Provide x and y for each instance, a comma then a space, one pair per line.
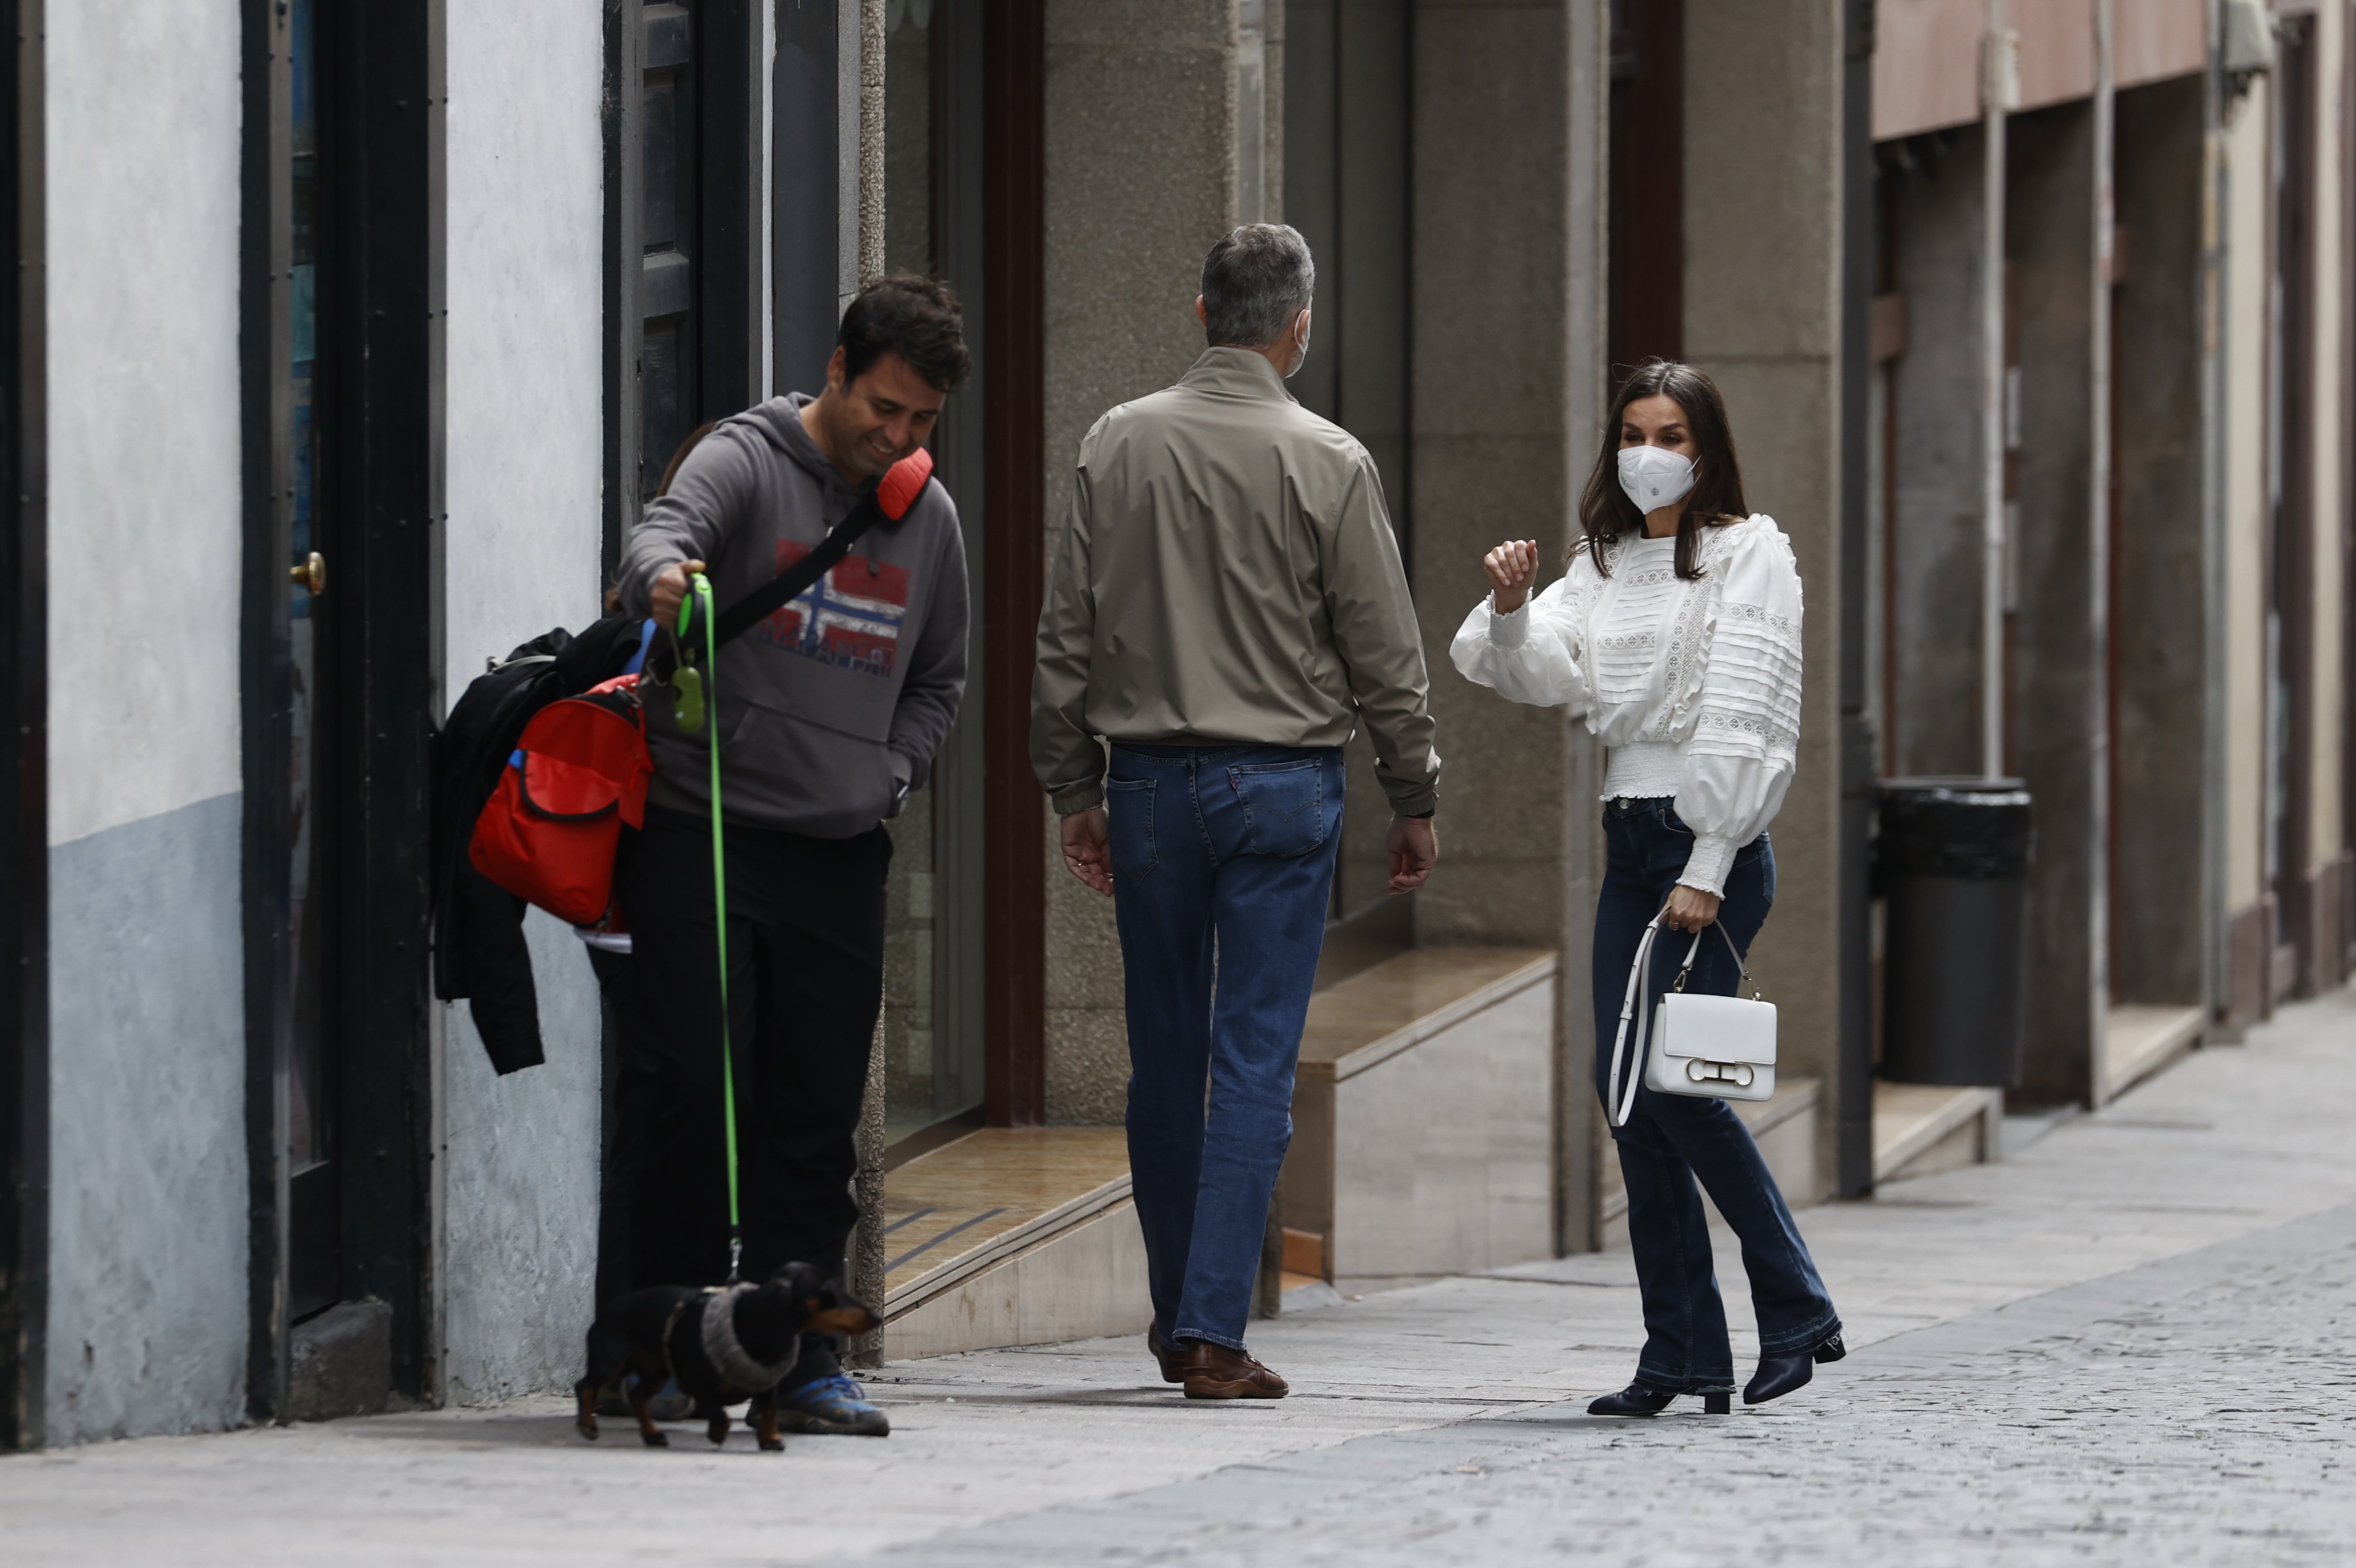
1411, 797
1078, 796
1706, 866
1509, 630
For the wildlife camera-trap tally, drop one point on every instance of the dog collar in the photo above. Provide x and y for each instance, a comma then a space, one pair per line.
729, 1358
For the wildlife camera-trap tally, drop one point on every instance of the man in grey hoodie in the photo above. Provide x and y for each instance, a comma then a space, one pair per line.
828, 713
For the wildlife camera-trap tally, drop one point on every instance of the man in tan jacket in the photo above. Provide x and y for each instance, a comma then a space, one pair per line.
1227, 607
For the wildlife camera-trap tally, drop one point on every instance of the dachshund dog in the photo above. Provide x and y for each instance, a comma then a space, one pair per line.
724, 1346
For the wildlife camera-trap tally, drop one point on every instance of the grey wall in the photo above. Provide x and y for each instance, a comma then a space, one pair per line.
147, 1290
1935, 404
2157, 614
147, 1260
1762, 297
2057, 665
1140, 178
520, 1191
517, 1158
1506, 379
1494, 455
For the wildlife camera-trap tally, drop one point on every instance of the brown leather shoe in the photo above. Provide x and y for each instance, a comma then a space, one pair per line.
1215, 1372
1172, 1359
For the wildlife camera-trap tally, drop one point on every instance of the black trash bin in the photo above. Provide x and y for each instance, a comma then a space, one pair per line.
1951, 859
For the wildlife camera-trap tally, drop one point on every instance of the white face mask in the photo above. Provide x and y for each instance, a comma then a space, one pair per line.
1654, 477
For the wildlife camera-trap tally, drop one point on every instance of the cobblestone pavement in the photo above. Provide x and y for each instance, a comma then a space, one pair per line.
2195, 1410
2126, 1344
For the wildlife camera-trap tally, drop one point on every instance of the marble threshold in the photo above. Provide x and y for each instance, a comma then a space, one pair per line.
951, 1213
2140, 1039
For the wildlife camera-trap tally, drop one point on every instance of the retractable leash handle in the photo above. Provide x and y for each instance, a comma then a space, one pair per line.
697, 605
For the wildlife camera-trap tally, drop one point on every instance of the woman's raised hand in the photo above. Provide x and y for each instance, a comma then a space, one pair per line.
1512, 566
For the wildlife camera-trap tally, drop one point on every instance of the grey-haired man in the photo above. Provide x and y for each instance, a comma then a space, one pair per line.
1227, 607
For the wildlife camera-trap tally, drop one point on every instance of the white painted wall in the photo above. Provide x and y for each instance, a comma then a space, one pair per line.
2247, 495
144, 499
525, 400
147, 1289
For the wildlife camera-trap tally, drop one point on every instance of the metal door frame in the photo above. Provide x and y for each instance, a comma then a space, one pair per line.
24, 735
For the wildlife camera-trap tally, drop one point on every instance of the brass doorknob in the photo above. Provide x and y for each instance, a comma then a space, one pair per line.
311, 574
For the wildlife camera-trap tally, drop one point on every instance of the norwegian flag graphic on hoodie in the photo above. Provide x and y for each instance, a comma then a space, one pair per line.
849, 619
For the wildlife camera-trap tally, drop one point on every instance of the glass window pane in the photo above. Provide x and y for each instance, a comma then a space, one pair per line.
310, 1116
923, 1081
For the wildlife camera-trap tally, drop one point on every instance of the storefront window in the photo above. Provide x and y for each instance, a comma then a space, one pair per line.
933, 1049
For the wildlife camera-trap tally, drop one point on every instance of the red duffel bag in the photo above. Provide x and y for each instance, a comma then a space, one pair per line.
578, 777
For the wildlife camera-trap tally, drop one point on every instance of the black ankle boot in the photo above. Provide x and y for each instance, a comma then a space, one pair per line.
1779, 1375
1644, 1399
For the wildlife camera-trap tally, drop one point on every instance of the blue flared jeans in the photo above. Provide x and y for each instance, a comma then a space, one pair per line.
1673, 1140
1223, 867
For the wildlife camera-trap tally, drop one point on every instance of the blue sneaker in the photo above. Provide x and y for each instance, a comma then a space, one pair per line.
834, 1404
671, 1403
668, 1404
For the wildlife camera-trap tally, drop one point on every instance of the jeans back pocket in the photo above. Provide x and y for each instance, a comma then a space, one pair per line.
1129, 803
1284, 806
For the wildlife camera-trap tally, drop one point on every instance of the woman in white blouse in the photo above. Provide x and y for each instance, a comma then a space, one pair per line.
1677, 633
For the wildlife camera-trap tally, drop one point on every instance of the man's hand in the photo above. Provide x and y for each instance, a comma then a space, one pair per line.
1087, 849
1512, 567
1689, 908
670, 589
1413, 844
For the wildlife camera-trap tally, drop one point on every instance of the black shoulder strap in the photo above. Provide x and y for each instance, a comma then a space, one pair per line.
788, 585
780, 590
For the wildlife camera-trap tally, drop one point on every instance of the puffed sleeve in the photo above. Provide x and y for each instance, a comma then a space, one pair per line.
1746, 736
1532, 655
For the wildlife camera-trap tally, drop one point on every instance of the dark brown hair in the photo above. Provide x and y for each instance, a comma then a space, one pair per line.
918, 318
1607, 514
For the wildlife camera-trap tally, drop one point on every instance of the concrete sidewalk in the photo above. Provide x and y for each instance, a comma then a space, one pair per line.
2116, 1345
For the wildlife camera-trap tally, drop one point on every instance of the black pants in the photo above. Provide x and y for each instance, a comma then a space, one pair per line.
805, 982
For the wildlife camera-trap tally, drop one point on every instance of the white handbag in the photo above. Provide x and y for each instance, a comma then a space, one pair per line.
1721, 1047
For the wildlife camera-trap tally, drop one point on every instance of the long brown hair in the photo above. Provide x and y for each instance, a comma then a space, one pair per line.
1607, 514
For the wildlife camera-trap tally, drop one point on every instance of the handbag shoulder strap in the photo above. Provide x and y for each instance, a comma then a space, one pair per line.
1621, 1106
1632, 1009
1740, 967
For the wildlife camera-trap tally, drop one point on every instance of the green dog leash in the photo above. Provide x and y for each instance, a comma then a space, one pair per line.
694, 697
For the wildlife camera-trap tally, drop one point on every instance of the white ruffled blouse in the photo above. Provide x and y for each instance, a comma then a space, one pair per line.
1694, 683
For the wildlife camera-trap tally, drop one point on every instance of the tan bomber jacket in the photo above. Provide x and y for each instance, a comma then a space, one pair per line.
1228, 574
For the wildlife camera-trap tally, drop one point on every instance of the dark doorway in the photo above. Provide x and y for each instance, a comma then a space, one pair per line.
1014, 394
1348, 187
1647, 301
683, 209
2290, 630
339, 665
307, 827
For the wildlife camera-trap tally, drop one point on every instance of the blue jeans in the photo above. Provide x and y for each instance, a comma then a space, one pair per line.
1223, 865
1672, 1139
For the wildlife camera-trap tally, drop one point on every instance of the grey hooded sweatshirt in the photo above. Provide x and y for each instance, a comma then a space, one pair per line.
833, 706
